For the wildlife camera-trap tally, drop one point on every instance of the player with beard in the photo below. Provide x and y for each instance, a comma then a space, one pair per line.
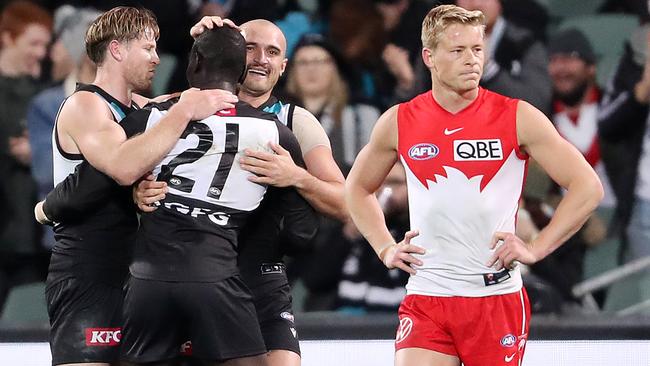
261, 248
90, 258
185, 258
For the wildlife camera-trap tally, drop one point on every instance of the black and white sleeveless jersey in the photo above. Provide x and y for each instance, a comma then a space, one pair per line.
192, 236
96, 220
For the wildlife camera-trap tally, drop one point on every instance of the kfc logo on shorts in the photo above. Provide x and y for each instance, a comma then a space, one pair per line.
423, 151
508, 340
108, 337
405, 327
186, 348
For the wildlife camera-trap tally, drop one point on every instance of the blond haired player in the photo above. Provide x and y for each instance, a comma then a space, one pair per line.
465, 151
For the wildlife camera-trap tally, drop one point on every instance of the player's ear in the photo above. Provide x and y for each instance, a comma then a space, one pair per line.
284, 66
427, 57
242, 77
115, 50
193, 65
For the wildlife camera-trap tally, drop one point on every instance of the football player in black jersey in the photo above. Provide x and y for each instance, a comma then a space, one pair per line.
262, 248
89, 261
185, 258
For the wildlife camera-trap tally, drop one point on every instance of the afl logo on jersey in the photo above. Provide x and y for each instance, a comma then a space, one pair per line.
423, 151
508, 340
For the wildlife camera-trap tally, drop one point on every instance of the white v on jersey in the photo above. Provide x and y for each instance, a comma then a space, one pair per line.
463, 187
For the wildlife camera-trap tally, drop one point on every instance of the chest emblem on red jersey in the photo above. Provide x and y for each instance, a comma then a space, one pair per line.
423, 151
478, 150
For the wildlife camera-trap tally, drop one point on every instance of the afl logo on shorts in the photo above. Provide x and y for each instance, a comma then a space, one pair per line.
508, 340
405, 327
423, 151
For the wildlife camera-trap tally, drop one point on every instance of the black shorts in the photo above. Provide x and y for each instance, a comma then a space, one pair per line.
217, 317
85, 320
276, 320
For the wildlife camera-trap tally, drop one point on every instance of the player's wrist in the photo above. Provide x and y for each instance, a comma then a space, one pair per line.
182, 111
40, 215
383, 250
301, 178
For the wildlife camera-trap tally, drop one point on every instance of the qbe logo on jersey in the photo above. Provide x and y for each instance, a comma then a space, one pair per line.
477, 150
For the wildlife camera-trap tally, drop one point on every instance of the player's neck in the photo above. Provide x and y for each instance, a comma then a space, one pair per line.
114, 85
453, 101
216, 84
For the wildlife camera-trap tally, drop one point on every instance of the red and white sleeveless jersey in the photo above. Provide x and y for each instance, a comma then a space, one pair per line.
465, 174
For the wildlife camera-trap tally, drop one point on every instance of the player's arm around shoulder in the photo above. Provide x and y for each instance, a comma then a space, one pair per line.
567, 167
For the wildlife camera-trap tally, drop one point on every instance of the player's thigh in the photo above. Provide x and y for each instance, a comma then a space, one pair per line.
223, 324
152, 323
259, 360
85, 319
282, 357
276, 318
424, 357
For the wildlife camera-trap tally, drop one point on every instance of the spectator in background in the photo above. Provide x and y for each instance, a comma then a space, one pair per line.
623, 120
572, 68
25, 30
316, 77
407, 73
70, 28
515, 62
357, 29
365, 284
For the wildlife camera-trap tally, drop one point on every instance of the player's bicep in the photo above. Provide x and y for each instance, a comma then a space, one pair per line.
380, 154
309, 131
539, 138
87, 120
320, 163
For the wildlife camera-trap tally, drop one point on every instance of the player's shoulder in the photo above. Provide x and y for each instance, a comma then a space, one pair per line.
243, 109
84, 108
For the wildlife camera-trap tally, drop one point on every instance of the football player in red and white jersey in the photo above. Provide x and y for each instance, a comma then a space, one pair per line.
465, 152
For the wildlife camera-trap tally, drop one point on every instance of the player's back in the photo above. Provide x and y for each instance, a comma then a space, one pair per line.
465, 174
193, 234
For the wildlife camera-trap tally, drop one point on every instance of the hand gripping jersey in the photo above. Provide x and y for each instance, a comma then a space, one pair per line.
193, 234
465, 175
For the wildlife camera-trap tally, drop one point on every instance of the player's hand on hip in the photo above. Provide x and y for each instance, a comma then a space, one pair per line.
204, 103
149, 191
509, 252
400, 255
277, 169
209, 22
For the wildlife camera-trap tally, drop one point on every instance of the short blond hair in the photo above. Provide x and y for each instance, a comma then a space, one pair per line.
441, 17
122, 23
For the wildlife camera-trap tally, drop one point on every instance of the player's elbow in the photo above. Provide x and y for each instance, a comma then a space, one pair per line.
594, 192
126, 177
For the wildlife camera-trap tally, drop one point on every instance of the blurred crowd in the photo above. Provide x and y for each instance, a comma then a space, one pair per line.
348, 62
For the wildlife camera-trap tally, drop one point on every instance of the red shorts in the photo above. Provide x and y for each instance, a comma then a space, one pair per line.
489, 330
